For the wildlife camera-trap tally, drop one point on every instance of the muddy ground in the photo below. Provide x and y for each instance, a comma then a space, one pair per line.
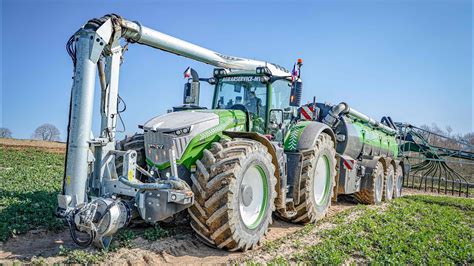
181, 248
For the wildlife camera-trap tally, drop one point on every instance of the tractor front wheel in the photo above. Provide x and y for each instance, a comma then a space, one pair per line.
234, 188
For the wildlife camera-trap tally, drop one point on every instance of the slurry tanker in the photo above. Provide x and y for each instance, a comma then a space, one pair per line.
255, 153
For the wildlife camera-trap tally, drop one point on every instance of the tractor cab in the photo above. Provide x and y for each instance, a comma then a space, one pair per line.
265, 99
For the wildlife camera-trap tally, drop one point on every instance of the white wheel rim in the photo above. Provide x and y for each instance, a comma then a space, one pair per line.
253, 196
399, 183
378, 187
321, 180
389, 186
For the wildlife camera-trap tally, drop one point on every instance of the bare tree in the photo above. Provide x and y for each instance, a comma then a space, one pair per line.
449, 130
47, 132
469, 137
5, 133
445, 142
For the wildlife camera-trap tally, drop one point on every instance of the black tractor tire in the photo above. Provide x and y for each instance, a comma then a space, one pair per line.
219, 194
388, 183
373, 193
307, 209
398, 182
135, 142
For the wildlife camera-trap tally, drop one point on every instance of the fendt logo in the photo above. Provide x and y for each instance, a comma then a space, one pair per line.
157, 146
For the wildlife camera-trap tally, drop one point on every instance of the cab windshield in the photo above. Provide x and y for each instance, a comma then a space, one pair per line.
244, 93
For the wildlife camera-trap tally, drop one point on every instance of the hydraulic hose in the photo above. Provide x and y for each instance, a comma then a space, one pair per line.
73, 229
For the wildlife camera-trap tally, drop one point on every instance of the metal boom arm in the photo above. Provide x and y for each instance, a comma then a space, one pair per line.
141, 34
100, 38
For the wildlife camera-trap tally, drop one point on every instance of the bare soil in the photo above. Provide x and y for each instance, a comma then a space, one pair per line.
182, 248
51, 146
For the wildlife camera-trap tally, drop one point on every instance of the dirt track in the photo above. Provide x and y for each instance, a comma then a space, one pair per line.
182, 248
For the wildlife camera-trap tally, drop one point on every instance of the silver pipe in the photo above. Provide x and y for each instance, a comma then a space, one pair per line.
80, 122
371, 121
344, 108
334, 113
144, 35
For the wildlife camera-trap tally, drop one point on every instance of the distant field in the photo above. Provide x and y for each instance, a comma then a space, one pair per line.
51, 146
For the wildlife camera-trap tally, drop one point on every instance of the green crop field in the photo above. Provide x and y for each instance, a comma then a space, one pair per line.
410, 230
30, 181
416, 229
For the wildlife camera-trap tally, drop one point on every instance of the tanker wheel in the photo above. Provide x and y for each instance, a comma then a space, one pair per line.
388, 183
398, 182
135, 142
316, 183
373, 193
234, 189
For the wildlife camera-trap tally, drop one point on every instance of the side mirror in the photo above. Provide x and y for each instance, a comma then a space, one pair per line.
296, 91
276, 118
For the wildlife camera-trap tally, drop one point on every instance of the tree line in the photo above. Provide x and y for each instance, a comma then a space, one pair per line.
49, 132
46, 132
451, 141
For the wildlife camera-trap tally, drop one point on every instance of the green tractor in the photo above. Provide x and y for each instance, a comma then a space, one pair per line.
245, 158
255, 153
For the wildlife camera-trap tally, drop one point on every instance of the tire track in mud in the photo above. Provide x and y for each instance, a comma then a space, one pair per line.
181, 248
188, 249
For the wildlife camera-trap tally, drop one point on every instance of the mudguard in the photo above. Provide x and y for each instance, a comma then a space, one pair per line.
369, 165
303, 135
262, 139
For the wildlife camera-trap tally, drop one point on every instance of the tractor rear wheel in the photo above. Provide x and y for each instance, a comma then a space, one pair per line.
373, 193
388, 183
312, 196
234, 189
398, 183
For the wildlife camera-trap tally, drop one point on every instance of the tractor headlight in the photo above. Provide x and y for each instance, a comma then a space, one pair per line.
220, 72
264, 70
180, 132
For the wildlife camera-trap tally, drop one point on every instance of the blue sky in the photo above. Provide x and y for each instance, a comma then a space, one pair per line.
411, 60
